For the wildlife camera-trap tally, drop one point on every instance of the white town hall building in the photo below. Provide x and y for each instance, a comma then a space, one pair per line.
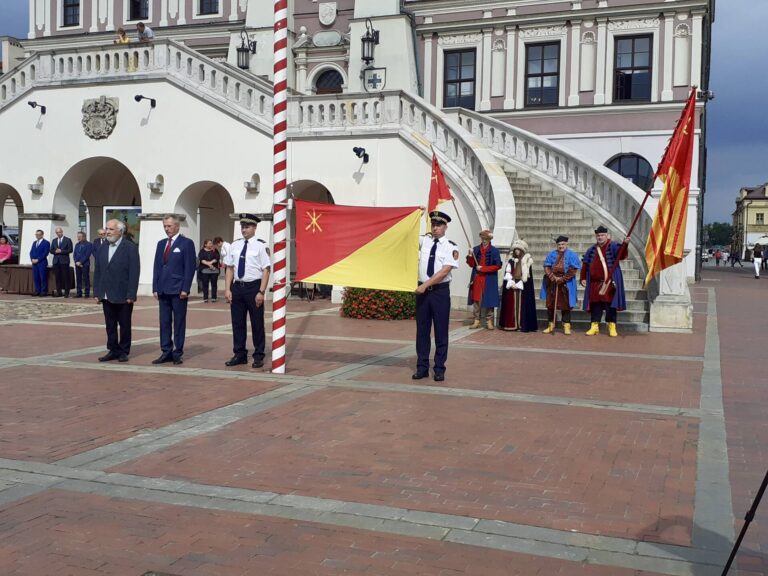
548, 117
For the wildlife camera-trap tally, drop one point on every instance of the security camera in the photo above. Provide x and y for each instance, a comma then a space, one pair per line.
361, 153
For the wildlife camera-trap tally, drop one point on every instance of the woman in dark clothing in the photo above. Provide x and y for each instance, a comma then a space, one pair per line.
208, 269
518, 299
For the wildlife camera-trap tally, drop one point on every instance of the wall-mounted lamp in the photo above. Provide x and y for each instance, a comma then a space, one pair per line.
361, 153
253, 186
35, 188
152, 101
43, 109
247, 47
369, 40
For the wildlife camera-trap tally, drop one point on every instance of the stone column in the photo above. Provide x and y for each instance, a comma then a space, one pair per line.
428, 68
696, 52
163, 13
672, 309
485, 91
573, 93
509, 92
601, 63
669, 48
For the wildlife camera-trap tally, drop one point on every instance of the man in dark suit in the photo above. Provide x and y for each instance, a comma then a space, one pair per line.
38, 254
174, 268
99, 240
61, 248
82, 258
115, 284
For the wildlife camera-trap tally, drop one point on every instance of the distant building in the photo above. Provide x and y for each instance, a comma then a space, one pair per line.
750, 219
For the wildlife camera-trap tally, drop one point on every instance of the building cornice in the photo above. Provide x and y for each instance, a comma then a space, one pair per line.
613, 109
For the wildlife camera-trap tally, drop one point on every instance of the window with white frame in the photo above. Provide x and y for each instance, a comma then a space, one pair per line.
138, 10
632, 71
70, 13
459, 79
208, 7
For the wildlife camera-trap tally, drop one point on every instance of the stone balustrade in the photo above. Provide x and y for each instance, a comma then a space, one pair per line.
616, 199
243, 95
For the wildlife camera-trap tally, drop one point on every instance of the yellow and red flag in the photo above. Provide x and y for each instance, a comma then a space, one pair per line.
357, 246
438, 187
666, 241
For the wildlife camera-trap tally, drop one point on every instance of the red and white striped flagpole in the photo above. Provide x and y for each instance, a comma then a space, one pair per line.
280, 210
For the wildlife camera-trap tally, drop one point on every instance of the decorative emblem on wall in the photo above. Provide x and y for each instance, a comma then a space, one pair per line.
100, 117
634, 24
460, 39
374, 79
327, 13
543, 32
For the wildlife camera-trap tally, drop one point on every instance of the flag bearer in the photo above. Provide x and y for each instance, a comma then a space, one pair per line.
602, 291
438, 257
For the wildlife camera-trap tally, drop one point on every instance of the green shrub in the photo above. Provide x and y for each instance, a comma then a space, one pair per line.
378, 304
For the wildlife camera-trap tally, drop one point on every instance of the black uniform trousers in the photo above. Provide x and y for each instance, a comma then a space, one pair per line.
596, 310
62, 278
244, 304
432, 308
83, 279
118, 316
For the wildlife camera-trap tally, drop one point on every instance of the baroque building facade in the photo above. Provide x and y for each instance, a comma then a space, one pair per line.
548, 116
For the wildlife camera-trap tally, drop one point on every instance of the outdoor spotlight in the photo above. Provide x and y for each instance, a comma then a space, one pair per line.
369, 40
36, 105
247, 47
361, 153
152, 101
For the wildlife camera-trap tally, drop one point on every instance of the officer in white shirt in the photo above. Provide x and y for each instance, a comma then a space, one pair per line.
438, 256
246, 280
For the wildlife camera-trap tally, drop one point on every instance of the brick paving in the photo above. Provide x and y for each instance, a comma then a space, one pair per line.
586, 460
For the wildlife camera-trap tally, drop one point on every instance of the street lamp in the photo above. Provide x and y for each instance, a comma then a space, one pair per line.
247, 47
369, 40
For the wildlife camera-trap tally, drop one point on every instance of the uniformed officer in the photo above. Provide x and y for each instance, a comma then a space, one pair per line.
438, 256
246, 279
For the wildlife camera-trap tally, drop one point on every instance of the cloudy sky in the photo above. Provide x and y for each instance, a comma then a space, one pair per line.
738, 117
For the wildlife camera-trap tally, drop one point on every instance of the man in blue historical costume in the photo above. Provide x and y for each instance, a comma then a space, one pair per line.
558, 288
604, 292
485, 261
518, 298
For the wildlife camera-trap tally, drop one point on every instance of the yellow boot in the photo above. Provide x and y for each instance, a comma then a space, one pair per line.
549, 329
475, 324
594, 329
612, 329
567, 328
489, 324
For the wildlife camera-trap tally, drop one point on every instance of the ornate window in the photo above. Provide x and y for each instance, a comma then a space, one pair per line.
138, 10
208, 7
459, 79
329, 82
632, 75
542, 74
634, 168
70, 13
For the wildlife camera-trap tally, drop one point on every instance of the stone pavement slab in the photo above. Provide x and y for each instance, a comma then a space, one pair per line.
603, 473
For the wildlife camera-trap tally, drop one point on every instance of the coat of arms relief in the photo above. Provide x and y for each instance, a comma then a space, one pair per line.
99, 117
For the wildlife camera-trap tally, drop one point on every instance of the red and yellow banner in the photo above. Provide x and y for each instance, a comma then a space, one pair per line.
438, 187
666, 241
357, 246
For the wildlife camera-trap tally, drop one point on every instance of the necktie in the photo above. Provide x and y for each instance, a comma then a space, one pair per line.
431, 264
167, 250
241, 262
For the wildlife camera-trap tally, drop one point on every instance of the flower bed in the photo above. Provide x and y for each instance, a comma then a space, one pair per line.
378, 304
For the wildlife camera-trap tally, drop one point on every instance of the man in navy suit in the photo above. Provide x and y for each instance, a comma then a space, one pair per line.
115, 284
82, 258
99, 240
38, 254
175, 264
61, 248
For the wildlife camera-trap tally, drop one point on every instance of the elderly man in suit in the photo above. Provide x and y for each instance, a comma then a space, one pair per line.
115, 284
38, 255
61, 248
175, 265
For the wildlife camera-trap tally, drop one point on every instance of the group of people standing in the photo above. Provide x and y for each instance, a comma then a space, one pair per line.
598, 272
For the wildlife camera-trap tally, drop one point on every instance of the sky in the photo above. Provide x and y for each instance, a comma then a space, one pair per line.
737, 136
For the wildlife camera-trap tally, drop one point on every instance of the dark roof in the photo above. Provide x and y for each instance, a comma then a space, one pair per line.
754, 192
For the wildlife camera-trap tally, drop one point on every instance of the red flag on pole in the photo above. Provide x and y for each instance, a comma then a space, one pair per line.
666, 241
438, 188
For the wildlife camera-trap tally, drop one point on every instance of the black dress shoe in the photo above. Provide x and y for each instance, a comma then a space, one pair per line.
66, 295
123, 358
419, 375
439, 377
257, 364
108, 356
163, 359
177, 361
236, 361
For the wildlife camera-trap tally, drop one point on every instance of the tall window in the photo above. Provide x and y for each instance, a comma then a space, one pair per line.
138, 10
634, 168
71, 13
632, 76
542, 74
459, 78
760, 218
209, 7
